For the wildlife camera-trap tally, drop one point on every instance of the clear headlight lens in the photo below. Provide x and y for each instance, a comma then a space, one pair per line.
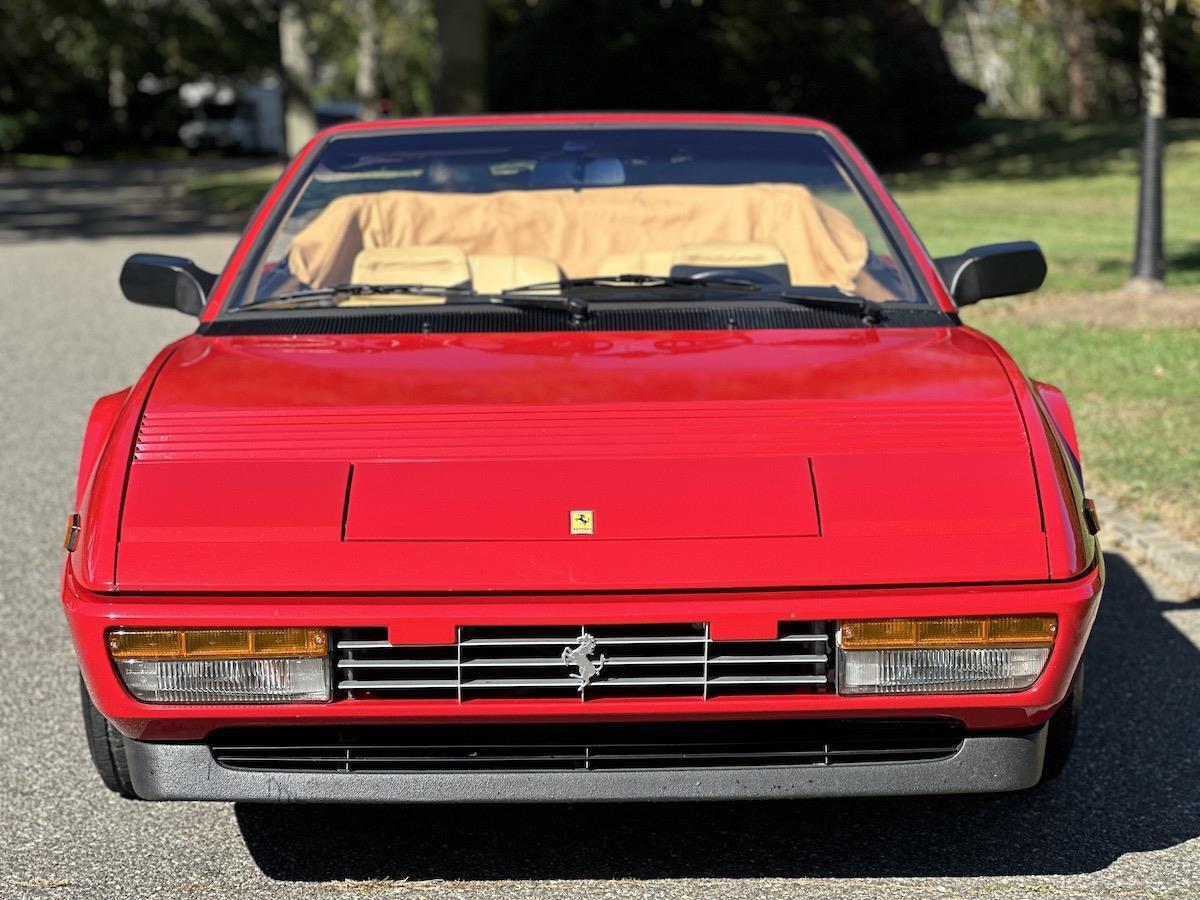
940, 671
971, 654
223, 665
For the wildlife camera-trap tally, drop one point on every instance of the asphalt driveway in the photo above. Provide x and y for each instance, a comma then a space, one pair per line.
1124, 819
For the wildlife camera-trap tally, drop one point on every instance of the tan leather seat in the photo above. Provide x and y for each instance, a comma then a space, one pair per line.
728, 255
441, 265
648, 262
492, 273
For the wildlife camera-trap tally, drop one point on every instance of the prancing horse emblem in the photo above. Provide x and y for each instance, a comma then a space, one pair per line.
581, 658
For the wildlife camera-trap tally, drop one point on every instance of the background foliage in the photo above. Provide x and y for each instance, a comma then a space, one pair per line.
97, 76
102, 76
875, 67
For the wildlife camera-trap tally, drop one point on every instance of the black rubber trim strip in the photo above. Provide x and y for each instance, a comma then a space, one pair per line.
985, 764
441, 320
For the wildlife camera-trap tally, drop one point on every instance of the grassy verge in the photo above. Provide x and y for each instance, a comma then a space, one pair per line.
1134, 391
238, 191
58, 161
1130, 367
35, 161
1072, 188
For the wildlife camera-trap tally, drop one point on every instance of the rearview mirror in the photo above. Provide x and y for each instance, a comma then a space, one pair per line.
170, 281
994, 270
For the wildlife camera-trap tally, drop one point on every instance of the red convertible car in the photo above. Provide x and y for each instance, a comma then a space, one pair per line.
580, 457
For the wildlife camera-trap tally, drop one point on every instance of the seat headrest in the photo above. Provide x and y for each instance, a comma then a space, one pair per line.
440, 265
728, 255
646, 262
492, 273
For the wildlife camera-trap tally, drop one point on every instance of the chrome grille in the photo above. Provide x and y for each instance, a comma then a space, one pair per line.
672, 660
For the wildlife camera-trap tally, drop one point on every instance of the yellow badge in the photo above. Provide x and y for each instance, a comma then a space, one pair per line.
583, 521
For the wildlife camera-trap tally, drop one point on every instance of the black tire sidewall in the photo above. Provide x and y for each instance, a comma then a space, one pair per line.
1062, 728
106, 746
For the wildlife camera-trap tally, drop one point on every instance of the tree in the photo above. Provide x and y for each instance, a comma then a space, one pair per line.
1077, 44
460, 71
299, 120
879, 71
94, 77
366, 74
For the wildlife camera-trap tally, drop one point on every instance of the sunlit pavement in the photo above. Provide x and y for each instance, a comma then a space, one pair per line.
1124, 818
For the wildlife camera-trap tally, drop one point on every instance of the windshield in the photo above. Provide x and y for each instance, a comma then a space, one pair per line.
485, 212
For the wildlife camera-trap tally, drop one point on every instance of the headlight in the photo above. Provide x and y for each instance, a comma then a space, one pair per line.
961, 654
223, 665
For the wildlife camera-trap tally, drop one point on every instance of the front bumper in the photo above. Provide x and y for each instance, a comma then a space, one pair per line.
732, 616
984, 764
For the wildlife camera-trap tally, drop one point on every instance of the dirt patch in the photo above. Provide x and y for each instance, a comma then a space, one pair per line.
1112, 309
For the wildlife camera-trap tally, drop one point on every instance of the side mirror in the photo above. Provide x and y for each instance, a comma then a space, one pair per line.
994, 270
170, 281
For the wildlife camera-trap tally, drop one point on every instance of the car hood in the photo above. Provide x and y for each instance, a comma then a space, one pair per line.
580, 462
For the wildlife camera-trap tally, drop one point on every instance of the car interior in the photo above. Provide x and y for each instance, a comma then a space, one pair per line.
491, 242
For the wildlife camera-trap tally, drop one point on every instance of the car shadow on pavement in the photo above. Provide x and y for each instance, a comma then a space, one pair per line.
1130, 787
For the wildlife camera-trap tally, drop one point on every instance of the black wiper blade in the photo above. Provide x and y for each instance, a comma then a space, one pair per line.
530, 296
870, 310
575, 307
655, 281
327, 296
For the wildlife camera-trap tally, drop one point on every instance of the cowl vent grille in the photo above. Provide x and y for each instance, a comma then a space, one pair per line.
588, 662
727, 317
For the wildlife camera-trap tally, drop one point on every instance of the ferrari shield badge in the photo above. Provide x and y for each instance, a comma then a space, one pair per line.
580, 656
583, 521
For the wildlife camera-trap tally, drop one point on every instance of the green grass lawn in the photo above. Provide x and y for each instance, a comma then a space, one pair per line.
238, 191
1072, 188
1135, 395
1133, 383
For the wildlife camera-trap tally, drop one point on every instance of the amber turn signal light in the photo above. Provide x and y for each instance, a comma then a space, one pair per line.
223, 643
71, 535
949, 631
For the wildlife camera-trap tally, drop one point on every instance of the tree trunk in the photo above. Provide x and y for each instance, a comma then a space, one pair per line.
1075, 41
118, 89
366, 75
1149, 264
299, 121
461, 69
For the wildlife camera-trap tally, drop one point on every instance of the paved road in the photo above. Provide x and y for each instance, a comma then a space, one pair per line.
1124, 819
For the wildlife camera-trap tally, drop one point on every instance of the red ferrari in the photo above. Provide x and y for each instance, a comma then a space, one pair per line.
580, 457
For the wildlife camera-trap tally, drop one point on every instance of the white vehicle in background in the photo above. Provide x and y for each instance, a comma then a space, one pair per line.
245, 117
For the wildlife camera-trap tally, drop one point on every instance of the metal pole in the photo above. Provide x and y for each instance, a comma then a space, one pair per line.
1149, 263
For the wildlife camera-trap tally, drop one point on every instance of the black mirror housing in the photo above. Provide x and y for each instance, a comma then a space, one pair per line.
170, 281
993, 270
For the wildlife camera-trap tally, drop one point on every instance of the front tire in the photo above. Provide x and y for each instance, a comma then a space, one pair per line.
107, 747
1060, 737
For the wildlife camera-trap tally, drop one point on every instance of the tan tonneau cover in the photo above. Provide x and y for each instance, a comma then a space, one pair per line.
578, 229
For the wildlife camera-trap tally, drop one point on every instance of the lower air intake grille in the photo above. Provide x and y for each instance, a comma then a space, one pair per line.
561, 747
585, 662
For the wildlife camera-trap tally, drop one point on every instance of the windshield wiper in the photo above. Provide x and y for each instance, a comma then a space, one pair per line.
527, 294
654, 281
575, 307
327, 296
814, 298
811, 297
